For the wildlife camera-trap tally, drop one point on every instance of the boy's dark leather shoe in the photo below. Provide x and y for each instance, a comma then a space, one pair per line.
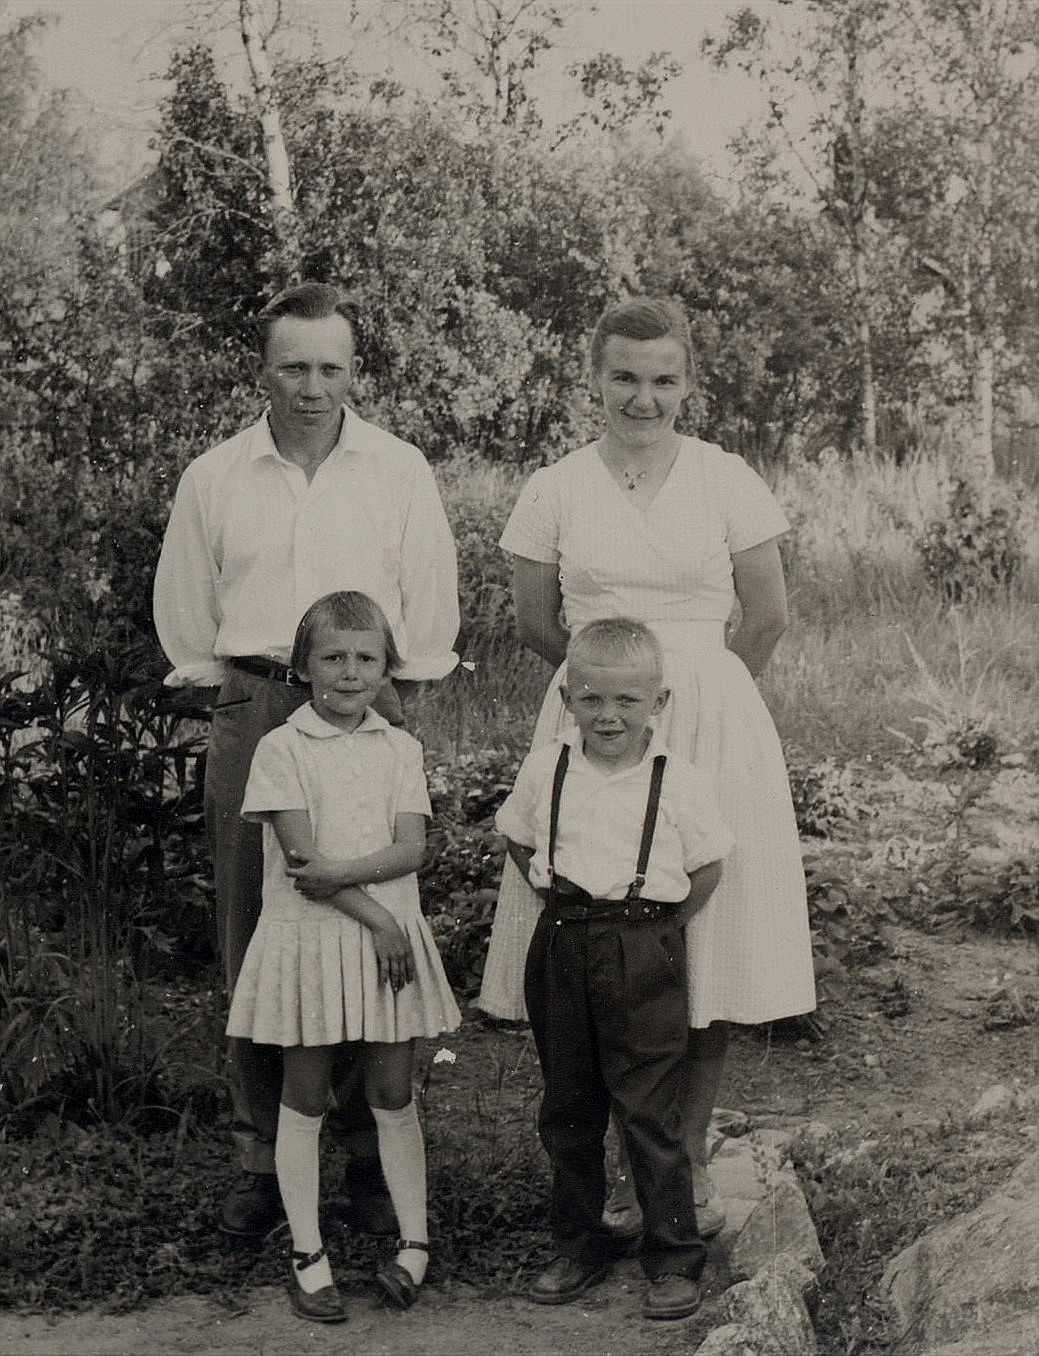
253, 1206
564, 1280
671, 1297
371, 1209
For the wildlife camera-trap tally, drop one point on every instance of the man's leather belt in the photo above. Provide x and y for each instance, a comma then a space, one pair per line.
266, 668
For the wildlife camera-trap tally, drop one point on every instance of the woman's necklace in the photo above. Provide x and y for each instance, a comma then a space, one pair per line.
632, 480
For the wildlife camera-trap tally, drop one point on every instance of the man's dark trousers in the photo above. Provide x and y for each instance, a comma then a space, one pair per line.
607, 1004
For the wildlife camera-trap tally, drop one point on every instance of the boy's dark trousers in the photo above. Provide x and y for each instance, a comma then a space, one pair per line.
606, 995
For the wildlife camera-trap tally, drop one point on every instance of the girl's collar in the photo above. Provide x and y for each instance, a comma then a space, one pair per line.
307, 720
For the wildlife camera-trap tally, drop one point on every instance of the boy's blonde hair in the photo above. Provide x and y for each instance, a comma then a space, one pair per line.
347, 610
617, 640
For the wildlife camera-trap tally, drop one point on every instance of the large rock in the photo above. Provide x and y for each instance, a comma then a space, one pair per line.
731, 1340
771, 1311
972, 1283
1019, 1337
778, 1224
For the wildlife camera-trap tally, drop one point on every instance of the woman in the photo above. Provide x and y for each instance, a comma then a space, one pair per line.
673, 530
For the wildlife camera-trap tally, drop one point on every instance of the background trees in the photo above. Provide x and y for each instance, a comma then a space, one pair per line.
868, 277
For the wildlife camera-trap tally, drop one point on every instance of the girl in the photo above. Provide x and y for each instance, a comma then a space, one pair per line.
341, 951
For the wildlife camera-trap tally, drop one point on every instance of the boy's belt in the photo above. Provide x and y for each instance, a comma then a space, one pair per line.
568, 903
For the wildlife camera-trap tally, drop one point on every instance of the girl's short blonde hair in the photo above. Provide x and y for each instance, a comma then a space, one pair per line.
346, 611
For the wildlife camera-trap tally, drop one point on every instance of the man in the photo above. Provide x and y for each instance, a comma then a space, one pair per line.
308, 500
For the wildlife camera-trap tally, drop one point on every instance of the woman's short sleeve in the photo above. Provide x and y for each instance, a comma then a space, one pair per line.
533, 527
748, 506
274, 781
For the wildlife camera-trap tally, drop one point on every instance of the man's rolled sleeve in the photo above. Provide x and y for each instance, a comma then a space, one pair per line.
185, 594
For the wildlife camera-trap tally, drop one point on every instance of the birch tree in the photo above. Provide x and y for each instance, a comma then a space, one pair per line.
284, 219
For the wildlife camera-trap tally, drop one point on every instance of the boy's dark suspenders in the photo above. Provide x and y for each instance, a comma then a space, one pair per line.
553, 814
649, 824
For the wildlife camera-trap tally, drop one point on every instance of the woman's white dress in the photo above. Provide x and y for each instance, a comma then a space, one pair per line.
310, 974
670, 565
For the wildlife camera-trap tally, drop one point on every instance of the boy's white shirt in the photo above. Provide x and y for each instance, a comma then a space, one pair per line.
601, 818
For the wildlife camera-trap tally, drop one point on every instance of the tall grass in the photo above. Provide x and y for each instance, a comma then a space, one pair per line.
844, 680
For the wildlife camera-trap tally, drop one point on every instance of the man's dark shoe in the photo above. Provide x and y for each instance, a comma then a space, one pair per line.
671, 1297
565, 1280
371, 1209
253, 1206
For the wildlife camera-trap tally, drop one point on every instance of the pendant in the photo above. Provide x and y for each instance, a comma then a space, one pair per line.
632, 480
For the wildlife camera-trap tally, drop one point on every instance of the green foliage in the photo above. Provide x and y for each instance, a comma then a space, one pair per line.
970, 553
849, 924
100, 807
826, 796
460, 883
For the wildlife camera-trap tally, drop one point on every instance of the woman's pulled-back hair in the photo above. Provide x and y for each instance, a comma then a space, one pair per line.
307, 301
642, 318
346, 611
616, 640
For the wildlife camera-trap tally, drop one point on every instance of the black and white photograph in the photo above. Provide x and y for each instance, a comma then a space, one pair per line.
519, 677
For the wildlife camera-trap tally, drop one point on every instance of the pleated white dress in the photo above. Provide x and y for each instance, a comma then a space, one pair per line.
310, 974
670, 565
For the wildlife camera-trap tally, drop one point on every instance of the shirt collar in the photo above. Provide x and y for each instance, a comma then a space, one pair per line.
351, 436
307, 720
655, 747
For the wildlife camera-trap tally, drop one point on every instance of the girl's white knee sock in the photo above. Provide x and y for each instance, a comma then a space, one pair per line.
297, 1164
403, 1157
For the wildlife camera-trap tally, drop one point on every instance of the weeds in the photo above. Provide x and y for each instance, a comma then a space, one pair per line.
968, 552
100, 810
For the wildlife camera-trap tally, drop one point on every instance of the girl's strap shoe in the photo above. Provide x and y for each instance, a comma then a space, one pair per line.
398, 1284
324, 1305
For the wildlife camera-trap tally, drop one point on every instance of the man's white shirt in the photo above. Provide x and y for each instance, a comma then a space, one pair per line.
251, 544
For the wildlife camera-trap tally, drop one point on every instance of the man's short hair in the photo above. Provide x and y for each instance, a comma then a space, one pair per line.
616, 640
307, 301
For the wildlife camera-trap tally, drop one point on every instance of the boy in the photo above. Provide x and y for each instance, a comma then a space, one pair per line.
597, 820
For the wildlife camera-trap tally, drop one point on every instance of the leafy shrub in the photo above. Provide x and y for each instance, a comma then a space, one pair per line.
970, 552
100, 808
848, 925
460, 884
1003, 900
826, 796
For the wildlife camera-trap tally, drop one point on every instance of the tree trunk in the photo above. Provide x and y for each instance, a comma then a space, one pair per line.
982, 453
867, 384
288, 251
853, 187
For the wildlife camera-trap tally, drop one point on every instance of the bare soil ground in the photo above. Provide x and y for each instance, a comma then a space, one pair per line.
917, 1029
